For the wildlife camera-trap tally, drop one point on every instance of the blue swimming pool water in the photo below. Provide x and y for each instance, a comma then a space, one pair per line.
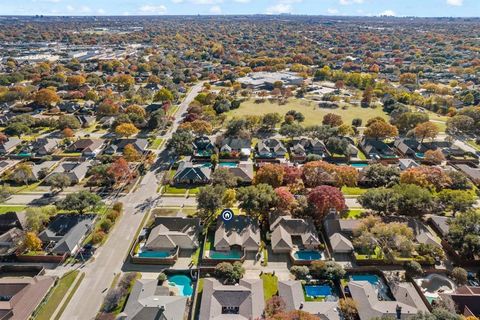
372, 278
154, 254
359, 165
420, 154
232, 254
307, 255
228, 164
318, 291
183, 283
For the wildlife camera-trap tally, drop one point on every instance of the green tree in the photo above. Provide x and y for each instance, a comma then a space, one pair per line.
38, 217
80, 201
270, 120
464, 233
68, 121
456, 200
17, 129
224, 177
59, 181
256, 200
181, 143
164, 95
209, 201
23, 173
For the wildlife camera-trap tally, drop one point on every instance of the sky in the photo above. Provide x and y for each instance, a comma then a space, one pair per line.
422, 8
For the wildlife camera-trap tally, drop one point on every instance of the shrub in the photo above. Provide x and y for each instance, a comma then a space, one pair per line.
118, 206
460, 275
112, 299
98, 236
126, 281
162, 277
413, 268
113, 215
106, 224
300, 272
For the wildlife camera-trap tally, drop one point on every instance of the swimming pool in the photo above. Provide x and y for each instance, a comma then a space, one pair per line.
318, 290
154, 254
372, 278
383, 290
183, 284
308, 255
228, 164
359, 165
227, 255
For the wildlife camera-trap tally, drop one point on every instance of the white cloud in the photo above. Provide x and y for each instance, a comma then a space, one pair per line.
100, 11
456, 3
348, 2
216, 10
279, 8
332, 11
70, 8
389, 13
84, 9
152, 9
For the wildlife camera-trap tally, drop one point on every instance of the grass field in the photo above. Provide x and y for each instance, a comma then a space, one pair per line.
270, 285
155, 144
46, 311
313, 114
473, 144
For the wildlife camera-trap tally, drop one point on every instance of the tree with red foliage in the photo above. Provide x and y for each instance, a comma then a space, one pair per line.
271, 174
120, 171
286, 200
324, 198
291, 175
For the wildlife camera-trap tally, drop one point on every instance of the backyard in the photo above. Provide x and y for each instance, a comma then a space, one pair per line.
270, 285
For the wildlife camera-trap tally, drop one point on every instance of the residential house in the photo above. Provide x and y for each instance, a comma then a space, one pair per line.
191, 174
244, 301
9, 145
242, 232
148, 300
440, 224
340, 232
466, 300
290, 233
44, 146
117, 146
203, 147
11, 220
271, 149
303, 147
7, 164
40, 170
473, 173
410, 148
86, 121
407, 301
377, 150
233, 147
65, 233
404, 164
12, 226
87, 147
22, 295
76, 171
291, 292
243, 172
171, 233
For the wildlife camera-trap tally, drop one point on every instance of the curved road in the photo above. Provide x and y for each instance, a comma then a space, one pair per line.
109, 258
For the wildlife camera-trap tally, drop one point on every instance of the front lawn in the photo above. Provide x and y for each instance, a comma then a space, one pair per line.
9, 208
353, 191
47, 309
354, 214
473, 144
155, 144
270, 285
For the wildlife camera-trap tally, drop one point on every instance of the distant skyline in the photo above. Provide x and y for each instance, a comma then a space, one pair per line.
421, 8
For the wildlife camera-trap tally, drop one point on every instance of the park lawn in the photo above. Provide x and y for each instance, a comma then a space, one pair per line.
9, 208
442, 126
270, 285
313, 114
353, 191
47, 309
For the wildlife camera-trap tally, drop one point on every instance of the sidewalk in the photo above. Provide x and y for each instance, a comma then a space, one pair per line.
67, 294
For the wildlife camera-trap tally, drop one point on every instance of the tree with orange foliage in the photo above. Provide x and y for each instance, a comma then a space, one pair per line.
46, 97
434, 156
427, 177
271, 174
76, 81
332, 119
120, 171
426, 130
380, 129
286, 200
126, 130
68, 133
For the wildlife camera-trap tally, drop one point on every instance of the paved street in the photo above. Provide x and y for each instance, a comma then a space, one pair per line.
109, 258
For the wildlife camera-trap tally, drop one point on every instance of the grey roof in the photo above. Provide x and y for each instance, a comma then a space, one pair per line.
66, 231
271, 145
148, 301
86, 145
246, 298
37, 168
404, 164
340, 243
11, 143
189, 171
441, 223
369, 306
343, 226
241, 230
285, 227
472, 172
140, 145
76, 171
234, 143
291, 292
244, 171
44, 146
172, 232
11, 220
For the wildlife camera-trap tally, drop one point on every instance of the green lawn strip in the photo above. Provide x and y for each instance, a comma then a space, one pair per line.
72, 292
353, 191
156, 144
47, 309
195, 257
9, 208
473, 144
270, 285
198, 299
354, 213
